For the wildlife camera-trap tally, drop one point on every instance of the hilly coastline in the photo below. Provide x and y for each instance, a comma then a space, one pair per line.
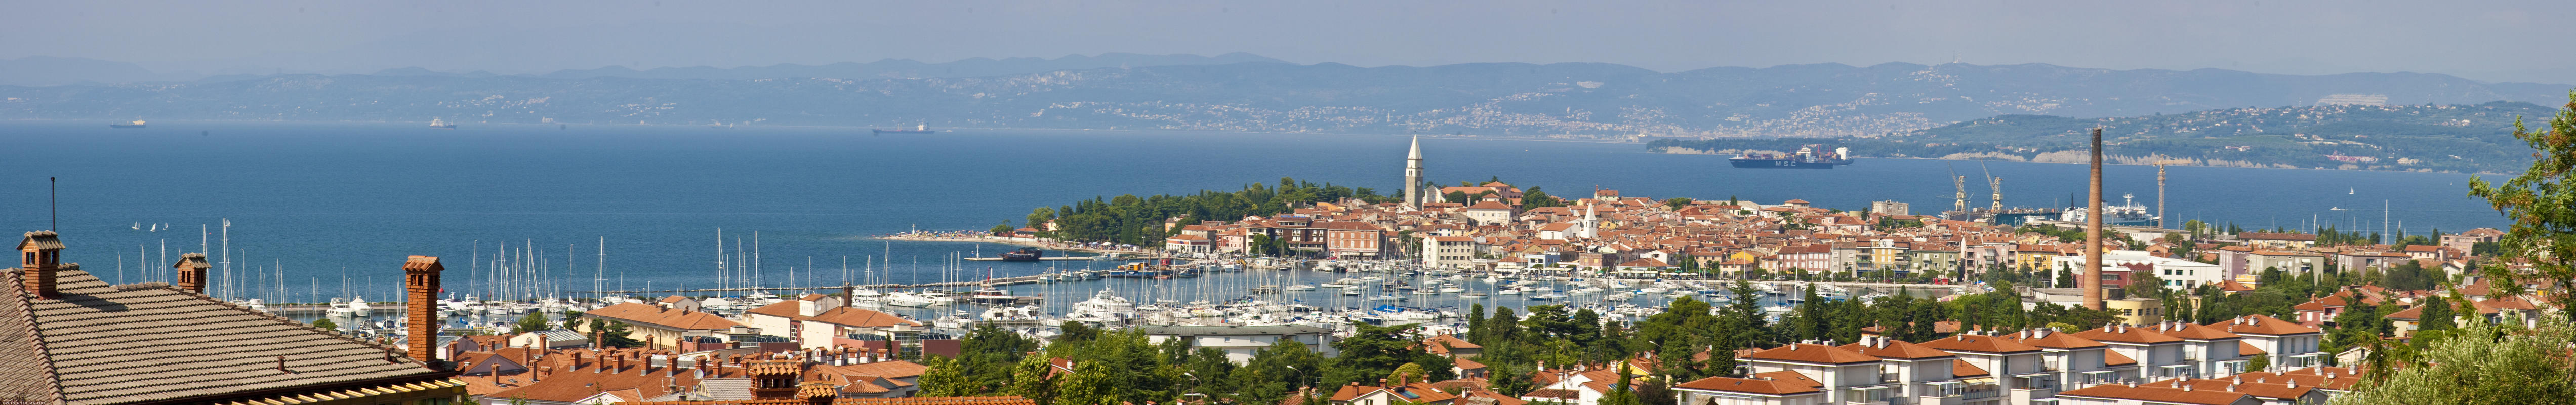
1566, 100
2446, 138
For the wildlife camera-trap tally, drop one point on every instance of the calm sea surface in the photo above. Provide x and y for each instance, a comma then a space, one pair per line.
322, 200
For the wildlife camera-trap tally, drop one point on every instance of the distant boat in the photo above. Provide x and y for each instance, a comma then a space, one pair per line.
916, 129
1025, 254
136, 124
436, 123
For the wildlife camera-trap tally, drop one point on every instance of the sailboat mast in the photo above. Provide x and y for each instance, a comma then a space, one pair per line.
599, 282
720, 256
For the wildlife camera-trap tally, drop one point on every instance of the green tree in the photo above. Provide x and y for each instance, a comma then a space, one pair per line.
2437, 315
2542, 204
1038, 217
1003, 229
616, 334
1676, 203
2483, 363
1035, 379
1620, 394
326, 324
534, 321
945, 377
1406, 374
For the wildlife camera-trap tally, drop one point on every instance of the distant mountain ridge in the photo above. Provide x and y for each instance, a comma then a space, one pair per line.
912, 69
1583, 100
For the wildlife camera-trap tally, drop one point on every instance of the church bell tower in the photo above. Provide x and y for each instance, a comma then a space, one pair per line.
1413, 193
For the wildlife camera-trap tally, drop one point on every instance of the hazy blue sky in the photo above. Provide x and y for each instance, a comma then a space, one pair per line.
2487, 40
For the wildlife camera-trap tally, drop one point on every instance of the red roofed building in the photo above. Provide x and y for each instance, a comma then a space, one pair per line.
2290, 344
1846, 375
1733, 391
1416, 392
659, 327
1355, 240
2126, 394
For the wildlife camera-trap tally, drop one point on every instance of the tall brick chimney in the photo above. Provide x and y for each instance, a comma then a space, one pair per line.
43, 257
192, 272
420, 278
2091, 280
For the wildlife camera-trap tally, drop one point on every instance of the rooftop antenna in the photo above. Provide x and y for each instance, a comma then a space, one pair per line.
53, 203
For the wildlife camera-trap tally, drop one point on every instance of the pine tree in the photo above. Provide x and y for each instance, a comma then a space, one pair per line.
2538, 201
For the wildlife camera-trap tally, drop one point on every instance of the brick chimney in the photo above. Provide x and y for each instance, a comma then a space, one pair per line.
818, 393
43, 257
192, 272
773, 379
420, 279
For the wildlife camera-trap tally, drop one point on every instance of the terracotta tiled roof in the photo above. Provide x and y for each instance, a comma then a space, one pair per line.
2156, 394
1976, 343
642, 314
2262, 325
1452, 341
1812, 353
888, 369
2410, 314
999, 400
1747, 385
150, 342
2053, 340
1791, 377
2113, 358
2247, 349
860, 317
1961, 369
2273, 390
1898, 349
782, 309
2127, 334
2193, 331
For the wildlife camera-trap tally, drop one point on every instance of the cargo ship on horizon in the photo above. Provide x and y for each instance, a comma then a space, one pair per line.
916, 129
1807, 157
136, 124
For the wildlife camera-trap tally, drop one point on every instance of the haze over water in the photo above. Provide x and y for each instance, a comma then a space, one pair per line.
320, 197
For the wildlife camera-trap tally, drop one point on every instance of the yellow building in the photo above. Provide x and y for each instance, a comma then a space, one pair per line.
2137, 310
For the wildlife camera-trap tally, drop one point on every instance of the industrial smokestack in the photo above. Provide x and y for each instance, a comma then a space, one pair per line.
2091, 280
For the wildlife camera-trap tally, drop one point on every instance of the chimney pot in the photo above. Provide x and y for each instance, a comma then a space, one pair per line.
43, 259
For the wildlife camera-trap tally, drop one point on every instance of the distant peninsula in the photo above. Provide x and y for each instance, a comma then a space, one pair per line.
2436, 138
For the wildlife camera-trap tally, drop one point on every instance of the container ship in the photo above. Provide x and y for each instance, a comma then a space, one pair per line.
436, 123
136, 124
1807, 157
916, 129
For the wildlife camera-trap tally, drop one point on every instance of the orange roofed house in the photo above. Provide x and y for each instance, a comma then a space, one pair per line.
659, 327
68, 338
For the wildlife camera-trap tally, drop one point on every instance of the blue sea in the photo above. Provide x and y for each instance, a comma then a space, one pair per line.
328, 202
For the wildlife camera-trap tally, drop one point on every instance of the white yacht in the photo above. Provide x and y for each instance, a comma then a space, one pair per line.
907, 299
339, 308
1105, 307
